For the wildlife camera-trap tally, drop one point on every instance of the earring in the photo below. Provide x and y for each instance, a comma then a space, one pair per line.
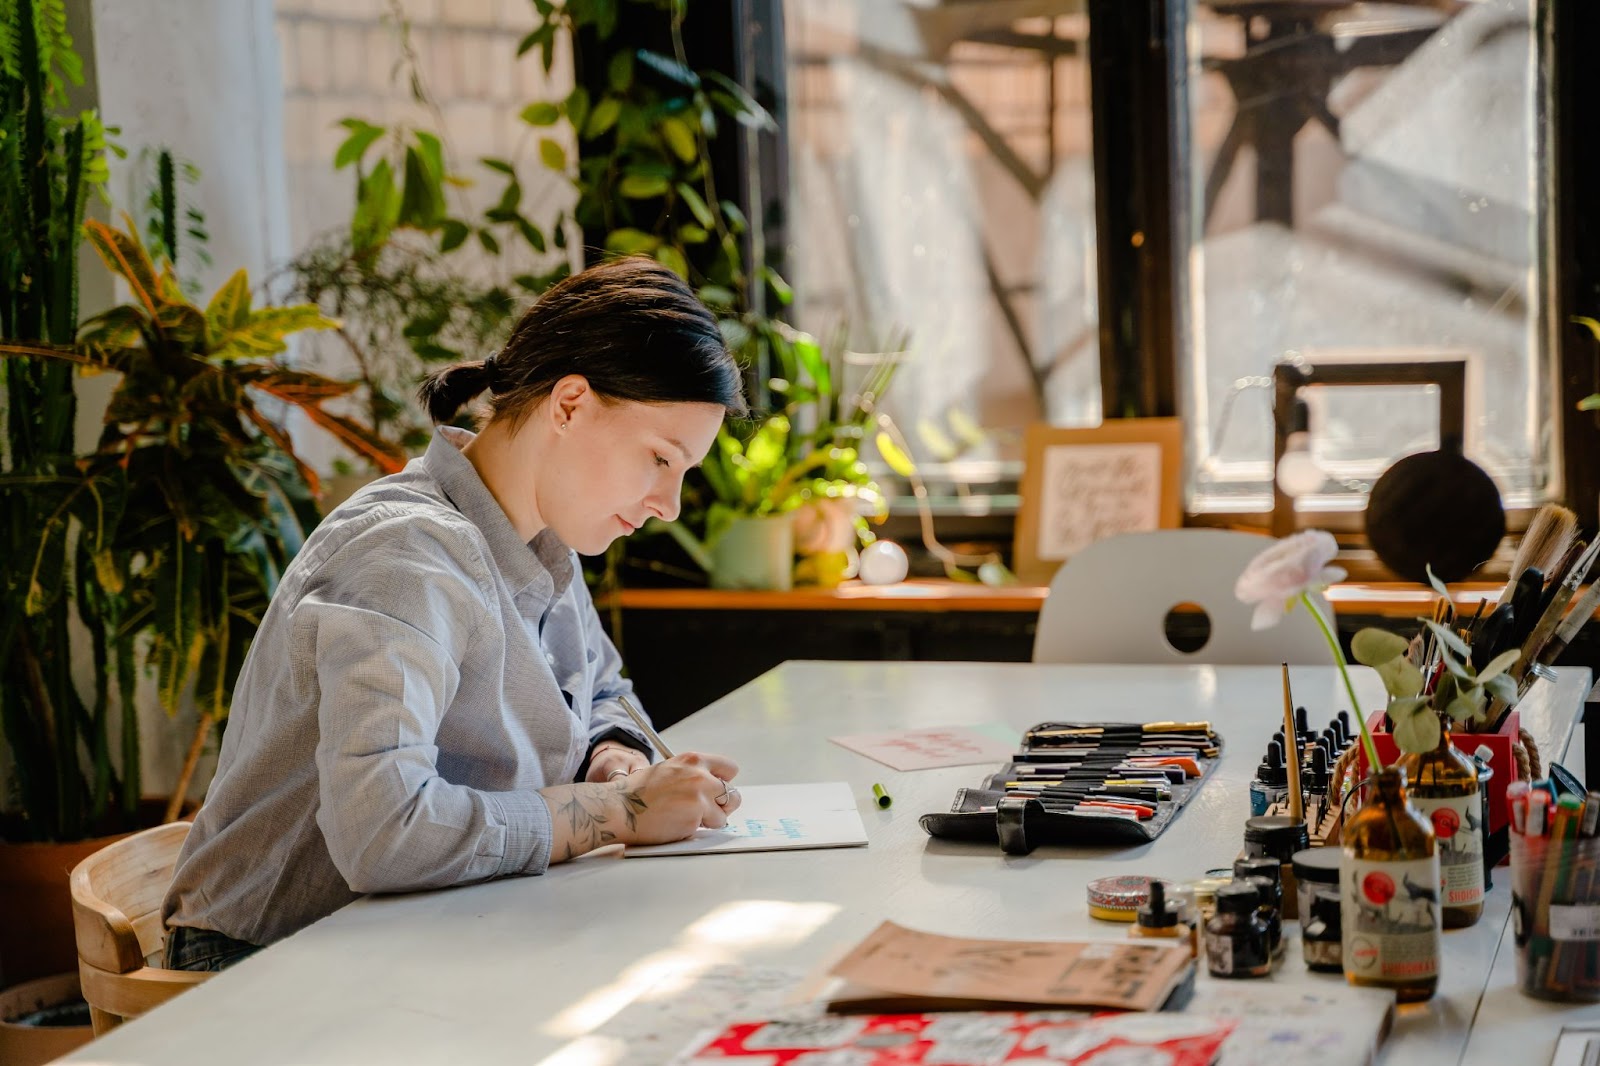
563, 425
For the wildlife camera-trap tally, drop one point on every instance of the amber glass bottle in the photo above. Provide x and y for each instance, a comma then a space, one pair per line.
1389, 894
1443, 785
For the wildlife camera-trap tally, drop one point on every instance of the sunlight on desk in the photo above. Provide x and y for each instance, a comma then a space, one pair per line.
719, 937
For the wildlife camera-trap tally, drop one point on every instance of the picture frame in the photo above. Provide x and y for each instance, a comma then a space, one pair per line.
1446, 370
1081, 485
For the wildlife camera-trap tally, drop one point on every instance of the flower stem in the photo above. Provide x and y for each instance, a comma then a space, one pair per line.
1349, 687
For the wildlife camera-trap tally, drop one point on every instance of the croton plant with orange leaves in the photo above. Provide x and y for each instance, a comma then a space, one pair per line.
194, 499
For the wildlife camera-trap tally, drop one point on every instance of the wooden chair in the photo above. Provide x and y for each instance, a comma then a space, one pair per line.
1109, 604
116, 910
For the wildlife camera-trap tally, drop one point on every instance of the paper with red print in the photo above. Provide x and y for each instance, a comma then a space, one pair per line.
978, 1039
929, 749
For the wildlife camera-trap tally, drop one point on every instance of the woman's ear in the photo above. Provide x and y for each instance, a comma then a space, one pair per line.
569, 395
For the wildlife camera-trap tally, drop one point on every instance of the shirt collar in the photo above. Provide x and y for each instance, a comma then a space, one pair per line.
545, 560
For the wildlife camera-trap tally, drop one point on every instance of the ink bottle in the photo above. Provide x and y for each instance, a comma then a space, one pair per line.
1157, 917
1182, 897
1389, 892
1314, 868
1266, 891
1271, 781
1321, 939
1237, 942
1443, 786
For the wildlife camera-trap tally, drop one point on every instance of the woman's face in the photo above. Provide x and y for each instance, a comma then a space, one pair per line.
616, 464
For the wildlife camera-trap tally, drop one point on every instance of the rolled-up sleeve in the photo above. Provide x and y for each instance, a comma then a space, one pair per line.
388, 656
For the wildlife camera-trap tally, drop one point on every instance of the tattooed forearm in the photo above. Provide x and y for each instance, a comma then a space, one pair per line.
587, 816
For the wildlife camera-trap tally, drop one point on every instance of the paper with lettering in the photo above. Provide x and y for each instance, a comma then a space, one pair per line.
927, 749
1329, 1023
996, 1039
1093, 491
924, 969
775, 818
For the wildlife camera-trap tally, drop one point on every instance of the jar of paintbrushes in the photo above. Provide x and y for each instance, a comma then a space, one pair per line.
1555, 877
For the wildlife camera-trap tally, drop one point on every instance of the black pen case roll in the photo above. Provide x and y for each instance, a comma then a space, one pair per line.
1021, 823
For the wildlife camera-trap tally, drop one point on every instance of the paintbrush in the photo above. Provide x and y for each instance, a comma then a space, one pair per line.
1471, 632
1297, 799
1576, 552
1582, 610
1542, 546
1553, 614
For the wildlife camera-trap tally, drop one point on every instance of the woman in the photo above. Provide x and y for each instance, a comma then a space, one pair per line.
430, 700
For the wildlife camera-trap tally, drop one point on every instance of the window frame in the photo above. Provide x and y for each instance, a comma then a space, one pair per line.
1132, 62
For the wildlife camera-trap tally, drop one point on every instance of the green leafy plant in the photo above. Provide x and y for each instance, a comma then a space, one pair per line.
808, 449
643, 172
413, 282
50, 163
187, 511
1417, 698
404, 275
400, 313
172, 222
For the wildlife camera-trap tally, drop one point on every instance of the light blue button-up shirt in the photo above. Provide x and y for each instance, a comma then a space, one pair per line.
420, 673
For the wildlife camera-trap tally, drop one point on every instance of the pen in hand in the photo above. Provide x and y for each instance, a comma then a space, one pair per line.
650, 734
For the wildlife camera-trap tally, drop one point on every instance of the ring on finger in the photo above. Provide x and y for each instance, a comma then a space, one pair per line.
727, 790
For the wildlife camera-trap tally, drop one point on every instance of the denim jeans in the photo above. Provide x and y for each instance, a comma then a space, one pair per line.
203, 949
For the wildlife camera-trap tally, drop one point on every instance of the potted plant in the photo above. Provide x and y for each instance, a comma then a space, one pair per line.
177, 526
804, 455
50, 162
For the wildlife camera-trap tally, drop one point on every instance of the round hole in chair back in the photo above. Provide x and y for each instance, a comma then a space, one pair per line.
1187, 628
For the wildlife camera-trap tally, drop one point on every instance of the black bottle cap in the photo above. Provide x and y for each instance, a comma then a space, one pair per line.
1237, 897
1275, 836
1320, 865
1272, 770
1258, 867
1155, 913
1302, 722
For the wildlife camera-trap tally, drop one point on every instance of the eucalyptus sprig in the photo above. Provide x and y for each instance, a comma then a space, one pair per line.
1416, 699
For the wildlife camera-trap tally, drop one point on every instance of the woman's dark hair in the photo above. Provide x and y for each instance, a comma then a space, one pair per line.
630, 326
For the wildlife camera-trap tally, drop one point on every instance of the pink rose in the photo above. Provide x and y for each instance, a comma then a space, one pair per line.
1280, 574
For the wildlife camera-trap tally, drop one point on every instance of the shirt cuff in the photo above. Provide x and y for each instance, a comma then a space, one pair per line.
526, 817
621, 736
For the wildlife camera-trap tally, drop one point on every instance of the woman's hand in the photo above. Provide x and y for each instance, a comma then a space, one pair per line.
653, 805
614, 760
672, 799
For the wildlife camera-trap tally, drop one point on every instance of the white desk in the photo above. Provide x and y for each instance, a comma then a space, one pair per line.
518, 970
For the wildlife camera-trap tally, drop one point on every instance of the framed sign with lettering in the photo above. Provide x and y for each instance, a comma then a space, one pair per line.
1083, 485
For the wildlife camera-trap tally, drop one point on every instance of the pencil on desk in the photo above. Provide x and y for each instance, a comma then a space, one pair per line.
650, 734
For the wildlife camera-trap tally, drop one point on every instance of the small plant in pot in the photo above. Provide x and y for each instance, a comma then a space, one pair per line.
802, 460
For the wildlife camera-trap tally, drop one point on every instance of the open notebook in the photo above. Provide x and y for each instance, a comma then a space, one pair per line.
777, 817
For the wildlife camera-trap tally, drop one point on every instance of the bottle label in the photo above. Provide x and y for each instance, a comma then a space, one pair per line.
1457, 826
1219, 953
1391, 917
1580, 922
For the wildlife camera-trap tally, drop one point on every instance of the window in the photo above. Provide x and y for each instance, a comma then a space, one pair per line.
1363, 183
941, 184
1353, 183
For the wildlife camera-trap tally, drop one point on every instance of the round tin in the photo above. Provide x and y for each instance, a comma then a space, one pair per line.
1118, 899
